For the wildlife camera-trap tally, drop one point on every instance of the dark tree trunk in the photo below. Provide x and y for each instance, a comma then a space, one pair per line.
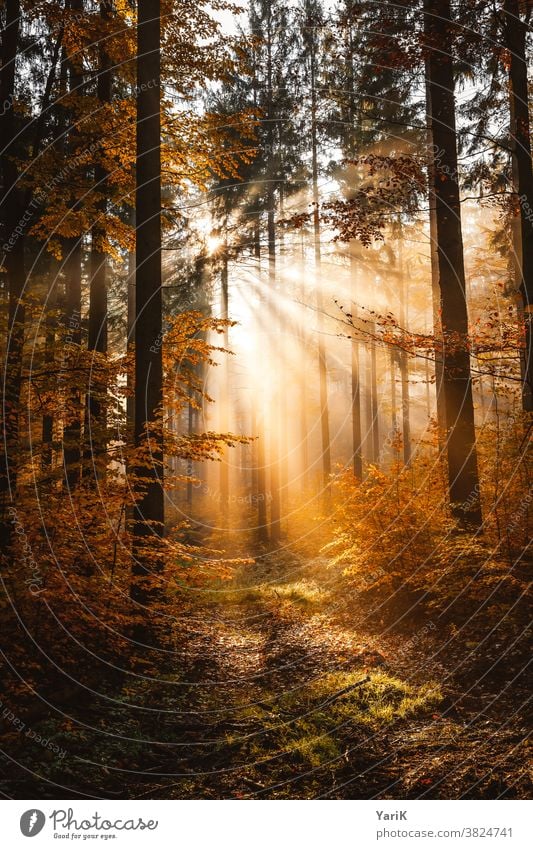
130, 295
13, 261
463, 478
435, 288
149, 509
72, 249
515, 38
97, 339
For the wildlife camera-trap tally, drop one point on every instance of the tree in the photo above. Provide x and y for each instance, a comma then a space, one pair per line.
149, 509
312, 22
515, 32
11, 212
97, 333
463, 478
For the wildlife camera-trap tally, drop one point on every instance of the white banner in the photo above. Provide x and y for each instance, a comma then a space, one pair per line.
268, 825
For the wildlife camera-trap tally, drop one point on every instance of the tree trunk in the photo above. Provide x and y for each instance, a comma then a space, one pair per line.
149, 509
275, 496
322, 355
97, 340
404, 361
515, 38
224, 399
463, 479
374, 397
13, 261
72, 249
130, 295
356, 388
435, 288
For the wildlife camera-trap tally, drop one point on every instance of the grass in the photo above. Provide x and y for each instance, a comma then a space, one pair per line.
312, 724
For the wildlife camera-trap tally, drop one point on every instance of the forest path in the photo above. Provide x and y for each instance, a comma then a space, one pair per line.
283, 683
267, 662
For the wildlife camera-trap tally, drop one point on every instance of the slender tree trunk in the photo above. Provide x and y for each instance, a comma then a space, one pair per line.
368, 442
394, 412
149, 509
515, 37
190, 465
13, 262
404, 362
130, 295
275, 496
72, 431
356, 387
258, 431
302, 378
374, 398
435, 288
224, 401
352, 116
322, 355
97, 339
73, 252
463, 478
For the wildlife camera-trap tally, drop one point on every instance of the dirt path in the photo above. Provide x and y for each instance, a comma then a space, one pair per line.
278, 688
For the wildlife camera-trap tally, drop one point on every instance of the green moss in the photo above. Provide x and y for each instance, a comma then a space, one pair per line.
312, 724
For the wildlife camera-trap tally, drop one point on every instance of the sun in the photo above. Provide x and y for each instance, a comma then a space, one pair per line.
213, 243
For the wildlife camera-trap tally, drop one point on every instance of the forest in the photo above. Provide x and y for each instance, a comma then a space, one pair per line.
266, 468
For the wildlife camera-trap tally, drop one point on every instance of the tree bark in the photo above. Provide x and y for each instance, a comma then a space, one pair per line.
97, 339
463, 478
149, 508
13, 261
520, 130
322, 355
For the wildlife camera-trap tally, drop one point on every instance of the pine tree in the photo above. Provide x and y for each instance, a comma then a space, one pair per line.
463, 478
149, 509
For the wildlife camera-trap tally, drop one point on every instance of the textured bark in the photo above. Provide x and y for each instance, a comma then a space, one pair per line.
13, 261
97, 339
515, 38
463, 478
149, 510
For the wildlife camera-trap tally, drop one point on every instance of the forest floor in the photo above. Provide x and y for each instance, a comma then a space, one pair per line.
280, 685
